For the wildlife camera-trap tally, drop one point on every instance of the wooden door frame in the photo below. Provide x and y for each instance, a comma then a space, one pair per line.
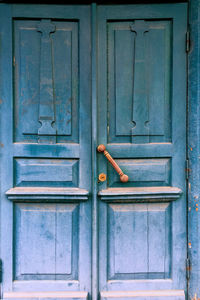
194, 150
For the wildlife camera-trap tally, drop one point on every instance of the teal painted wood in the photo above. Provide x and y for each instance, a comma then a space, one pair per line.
47, 144
193, 151
95, 206
49, 225
46, 105
6, 141
48, 78
137, 295
141, 194
139, 117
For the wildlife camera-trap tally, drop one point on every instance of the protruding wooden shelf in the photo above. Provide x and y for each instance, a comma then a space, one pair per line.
140, 194
46, 295
46, 194
145, 294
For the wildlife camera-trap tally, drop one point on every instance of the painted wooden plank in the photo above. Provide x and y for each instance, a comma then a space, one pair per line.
141, 150
144, 172
139, 245
95, 206
49, 194
155, 11
122, 74
46, 172
46, 295
6, 140
159, 240
193, 150
128, 241
141, 194
53, 11
77, 48
42, 234
168, 51
46, 89
46, 105
36, 150
142, 295
132, 119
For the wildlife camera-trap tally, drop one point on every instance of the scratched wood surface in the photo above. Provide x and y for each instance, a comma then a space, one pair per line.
142, 115
61, 236
45, 54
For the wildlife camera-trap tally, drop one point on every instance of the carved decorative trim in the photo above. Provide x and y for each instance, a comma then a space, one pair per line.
140, 194
140, 99
43, 194
46, 108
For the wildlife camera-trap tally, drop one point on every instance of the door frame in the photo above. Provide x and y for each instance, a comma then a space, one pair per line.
193, 151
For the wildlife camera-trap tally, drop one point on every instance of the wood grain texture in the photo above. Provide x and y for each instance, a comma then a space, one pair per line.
46, 295
61, 236
50, 76
142, 84
193, 151
141, 194
49, 194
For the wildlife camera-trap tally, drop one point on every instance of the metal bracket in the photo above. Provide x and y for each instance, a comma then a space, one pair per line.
187, 169
188, 268
187, 46
1, 270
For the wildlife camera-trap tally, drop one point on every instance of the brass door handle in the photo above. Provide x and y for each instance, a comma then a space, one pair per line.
123, 177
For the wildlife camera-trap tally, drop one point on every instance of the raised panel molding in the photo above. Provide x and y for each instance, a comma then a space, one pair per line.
46, 241
141, 172
139, 239
46, 172
46, 80
139, 81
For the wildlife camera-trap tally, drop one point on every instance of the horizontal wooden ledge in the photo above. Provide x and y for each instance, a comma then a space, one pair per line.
47, 295
151, 294
141, 194
45, 194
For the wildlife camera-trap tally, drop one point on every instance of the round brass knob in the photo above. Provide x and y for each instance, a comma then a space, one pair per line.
101, 148
102, 177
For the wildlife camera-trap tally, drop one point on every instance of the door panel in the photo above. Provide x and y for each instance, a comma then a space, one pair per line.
47, 200
47, 179
137, 65
147, 246
142, 110
36, 63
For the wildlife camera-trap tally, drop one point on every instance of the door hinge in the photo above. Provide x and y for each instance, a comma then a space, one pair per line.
188, 268
1, 270
187, 44
187, 169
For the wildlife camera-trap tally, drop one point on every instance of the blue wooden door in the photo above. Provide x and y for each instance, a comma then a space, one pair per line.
64, 233
46, 218
142, 117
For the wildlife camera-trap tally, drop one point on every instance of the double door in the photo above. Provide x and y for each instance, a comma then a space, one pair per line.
74, 77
